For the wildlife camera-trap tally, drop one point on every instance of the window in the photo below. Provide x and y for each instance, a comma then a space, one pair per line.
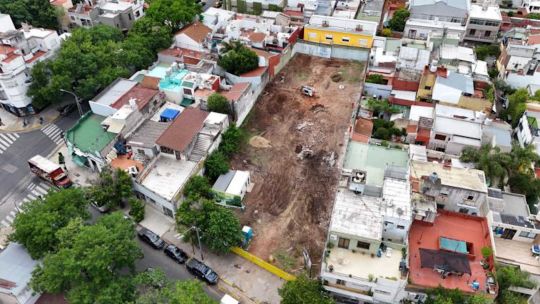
312, 35
487, 33
362, 245
526, 234
440, 137
476, 21
329, 37
464, 210
137, 14
492, 23
470, 197
166, 150
343, 243
345, 39
427, 88
520, 126
129, 16
472, 32
340, 282
401, 227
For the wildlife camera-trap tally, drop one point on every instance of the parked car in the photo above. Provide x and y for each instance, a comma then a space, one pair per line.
65, 110
102, 208
151, 238
201, 271
176, 253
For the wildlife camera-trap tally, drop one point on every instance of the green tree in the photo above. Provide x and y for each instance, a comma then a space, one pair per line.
533, 16
483, 51
223, 231
257, 8
510, 297
112, 189
90, 265
231, 140
188, 292
386, 32
241, 6
397, 23
238, 60
219, 103
516, 106
381, 107
304, 290
198, 187
215, 165
38, 13
173, 13
37, 225
137, 209
492, 161
156, 36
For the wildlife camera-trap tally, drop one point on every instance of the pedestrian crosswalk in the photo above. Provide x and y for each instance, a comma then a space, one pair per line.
33, 192
54, 133
6, 140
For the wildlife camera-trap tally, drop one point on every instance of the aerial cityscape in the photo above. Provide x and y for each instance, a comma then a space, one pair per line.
269, 151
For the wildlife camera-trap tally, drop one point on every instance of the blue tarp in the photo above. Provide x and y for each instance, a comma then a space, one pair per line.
169, 114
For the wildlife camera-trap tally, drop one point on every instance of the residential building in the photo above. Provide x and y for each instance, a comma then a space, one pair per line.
451, 188
264, 4
448, 253
63, 6
19, 51
497, 133
484, 22
437, 16
527, 130
16, 267
116, 13
518, 65
182, 147
514, 228
531, 6
340, 31
364, 260
193, 37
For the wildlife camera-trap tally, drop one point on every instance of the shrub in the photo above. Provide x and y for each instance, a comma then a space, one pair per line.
198, 186
397, 23
137, 209
218, 103
376, 78
215, 165
239, 60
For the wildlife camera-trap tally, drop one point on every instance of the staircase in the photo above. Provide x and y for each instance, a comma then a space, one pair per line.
202, 144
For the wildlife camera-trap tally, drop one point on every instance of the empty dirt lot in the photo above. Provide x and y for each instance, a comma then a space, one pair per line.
292, 155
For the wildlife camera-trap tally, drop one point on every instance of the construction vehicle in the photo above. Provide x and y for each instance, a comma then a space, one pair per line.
308, 91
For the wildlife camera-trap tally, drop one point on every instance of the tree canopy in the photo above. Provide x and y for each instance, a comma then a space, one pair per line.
218, 103
397, 23
112, 189
91, 262
37, 226
442, 295
516, 105
238, 59
93, 58
215, 165
173, 13
304, 290
38, 13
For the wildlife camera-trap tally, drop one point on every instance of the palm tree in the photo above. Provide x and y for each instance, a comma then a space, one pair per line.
524, 158
490, 160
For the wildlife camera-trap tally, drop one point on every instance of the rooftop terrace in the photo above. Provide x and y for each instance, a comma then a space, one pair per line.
374, 160
88, 135
362, 265
168, 176
463, 178
453, 226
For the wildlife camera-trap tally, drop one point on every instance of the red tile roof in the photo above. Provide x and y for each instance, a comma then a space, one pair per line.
150, 82
362, 130
36, 56
236, 91
257, 37
196, 31
9, 52
141, 94
471, 229
183, 129
533, 39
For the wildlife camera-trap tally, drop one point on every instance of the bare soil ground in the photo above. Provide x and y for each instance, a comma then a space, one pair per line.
292, 155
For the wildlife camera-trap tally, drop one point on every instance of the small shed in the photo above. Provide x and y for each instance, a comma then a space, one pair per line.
232, 186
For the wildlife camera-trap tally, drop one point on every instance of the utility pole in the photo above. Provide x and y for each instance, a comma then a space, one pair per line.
199, 239
77, 100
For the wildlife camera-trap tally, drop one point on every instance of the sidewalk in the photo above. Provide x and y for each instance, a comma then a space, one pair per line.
12, 123
81, 176
238, 277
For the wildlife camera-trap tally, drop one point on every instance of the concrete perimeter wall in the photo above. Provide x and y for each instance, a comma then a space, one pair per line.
331, 51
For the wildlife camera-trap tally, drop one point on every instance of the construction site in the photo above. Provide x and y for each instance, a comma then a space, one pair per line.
297, 133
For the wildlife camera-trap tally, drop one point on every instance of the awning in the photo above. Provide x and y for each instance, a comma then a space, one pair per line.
186, 102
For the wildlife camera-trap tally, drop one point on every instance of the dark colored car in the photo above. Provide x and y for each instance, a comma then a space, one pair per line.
151, 238
201, 271
176, 254
65, 110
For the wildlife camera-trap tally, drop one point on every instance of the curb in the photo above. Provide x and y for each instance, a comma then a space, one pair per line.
30, 129
235, 292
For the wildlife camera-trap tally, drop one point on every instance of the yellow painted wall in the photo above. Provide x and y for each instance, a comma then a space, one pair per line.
319, 35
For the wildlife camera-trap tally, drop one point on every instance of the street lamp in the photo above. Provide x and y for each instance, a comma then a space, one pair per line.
198, 238
76, 100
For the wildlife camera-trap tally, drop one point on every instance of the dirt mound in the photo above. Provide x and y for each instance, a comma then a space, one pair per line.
259, 142
336, 77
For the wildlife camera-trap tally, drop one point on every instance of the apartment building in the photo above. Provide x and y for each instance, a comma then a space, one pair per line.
340, 31
484, 23
116, 13
19, 51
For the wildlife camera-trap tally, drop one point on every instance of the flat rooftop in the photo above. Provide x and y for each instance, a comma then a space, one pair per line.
464, 178
360, 265
357, 215
374, 160
88, 135
168, 176
454, 226
516, 253
114, 91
